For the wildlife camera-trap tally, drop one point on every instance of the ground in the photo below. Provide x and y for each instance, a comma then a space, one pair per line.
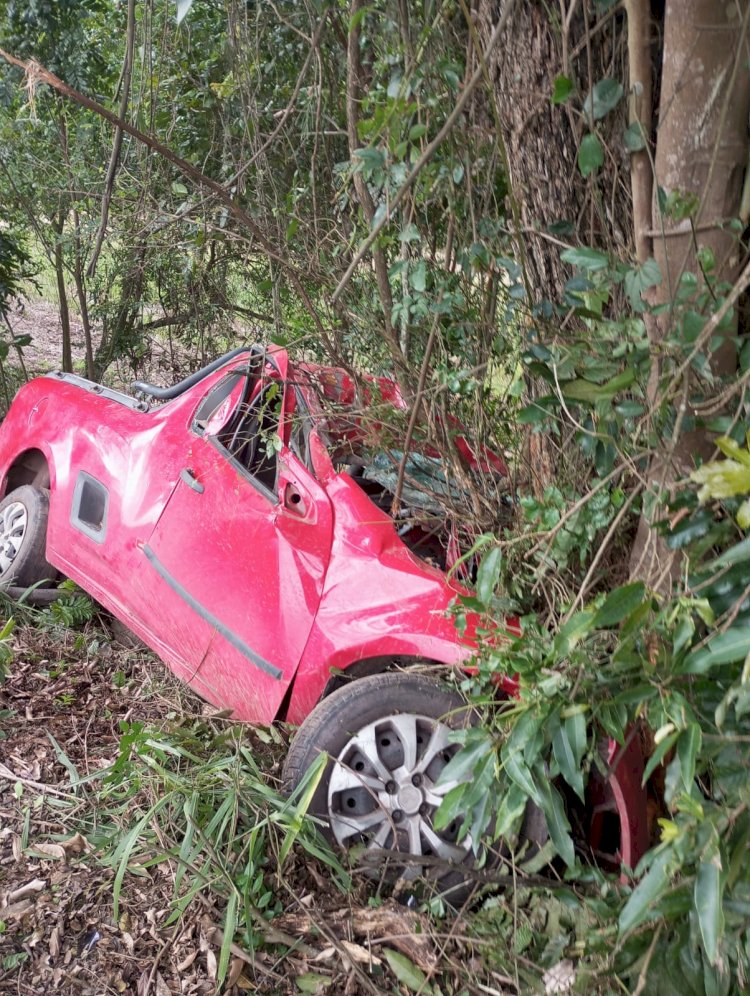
88, 733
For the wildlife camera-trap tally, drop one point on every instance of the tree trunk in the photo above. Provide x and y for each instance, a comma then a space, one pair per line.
543, 42
58, 224
701, 152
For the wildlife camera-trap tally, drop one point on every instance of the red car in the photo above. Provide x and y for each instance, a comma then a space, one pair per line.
246, 539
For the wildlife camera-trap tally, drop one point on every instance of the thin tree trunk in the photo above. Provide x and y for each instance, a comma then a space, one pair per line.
58, 225
78, 276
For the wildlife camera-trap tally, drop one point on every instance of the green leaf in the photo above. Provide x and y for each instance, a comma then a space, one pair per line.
691, 528
568, 746
743, 514
562, 89
458, 174
707, 897
688, 745
605, 96
583, 390
416, 132
619, 604
557, 822
590, 155
722, 479
661, 751
418, 276
639, 279
585, 259
462, 764
357, 18
654, 884
410, 233
736, 554
407, 973
370, 158
306, 790
572, 632
230, 925
726, 648
313, 982
634, 138
516, 769
488, 574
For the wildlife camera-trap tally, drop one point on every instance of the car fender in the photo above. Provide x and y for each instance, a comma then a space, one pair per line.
321, 661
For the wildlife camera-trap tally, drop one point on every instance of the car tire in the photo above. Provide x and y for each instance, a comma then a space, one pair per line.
387, 741
24, 514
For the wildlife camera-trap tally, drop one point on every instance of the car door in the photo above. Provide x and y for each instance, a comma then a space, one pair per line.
245, 541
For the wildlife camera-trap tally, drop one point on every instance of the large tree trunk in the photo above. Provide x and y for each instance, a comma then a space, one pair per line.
550, 200
701, 152
542, 139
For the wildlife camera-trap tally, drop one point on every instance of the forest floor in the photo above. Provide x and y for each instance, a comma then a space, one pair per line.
65, 707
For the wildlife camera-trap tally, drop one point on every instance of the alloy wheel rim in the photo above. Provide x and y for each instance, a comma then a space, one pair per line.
384, 791
13, 525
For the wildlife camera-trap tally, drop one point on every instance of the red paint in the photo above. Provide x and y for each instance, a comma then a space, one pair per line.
216, 573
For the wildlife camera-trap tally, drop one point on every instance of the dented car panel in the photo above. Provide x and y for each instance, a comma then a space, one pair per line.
240, 583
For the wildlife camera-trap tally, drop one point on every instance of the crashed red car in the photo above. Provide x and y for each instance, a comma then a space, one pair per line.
242, 536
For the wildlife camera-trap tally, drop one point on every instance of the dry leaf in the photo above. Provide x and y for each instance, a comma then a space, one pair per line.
560, 978
162, 989
235, 971
54, 941
354, 953
54, 851
76, 845
187, 962
35, 885
211, 966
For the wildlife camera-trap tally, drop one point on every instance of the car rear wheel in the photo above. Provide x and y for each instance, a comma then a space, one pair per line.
23, 537
388, 740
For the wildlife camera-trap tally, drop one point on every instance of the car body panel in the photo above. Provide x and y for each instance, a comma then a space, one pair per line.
230, 586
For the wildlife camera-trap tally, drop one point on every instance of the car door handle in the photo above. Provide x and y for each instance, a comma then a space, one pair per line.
294, 501
189, 478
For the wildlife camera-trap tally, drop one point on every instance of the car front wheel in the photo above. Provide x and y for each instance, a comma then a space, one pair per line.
23, 537
388, 738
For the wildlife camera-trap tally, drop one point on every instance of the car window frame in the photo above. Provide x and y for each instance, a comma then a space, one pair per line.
301, 410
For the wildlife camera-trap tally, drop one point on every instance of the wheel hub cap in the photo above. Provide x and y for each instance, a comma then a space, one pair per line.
13, 525
409, 799
385, 788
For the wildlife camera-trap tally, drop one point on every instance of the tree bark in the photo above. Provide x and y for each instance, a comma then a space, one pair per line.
58, 224
542, 42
